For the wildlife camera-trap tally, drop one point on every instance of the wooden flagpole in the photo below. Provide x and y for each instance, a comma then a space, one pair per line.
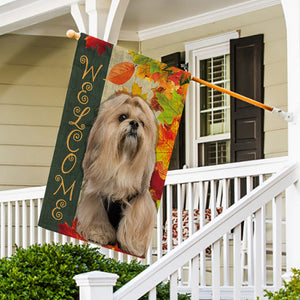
287, 116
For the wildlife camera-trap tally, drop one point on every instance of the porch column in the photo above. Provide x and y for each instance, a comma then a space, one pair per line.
292, 18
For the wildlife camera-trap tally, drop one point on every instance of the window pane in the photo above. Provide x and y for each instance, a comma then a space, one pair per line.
213, 153
214, 105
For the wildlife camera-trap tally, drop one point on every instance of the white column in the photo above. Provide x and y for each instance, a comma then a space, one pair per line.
292, 17
96, 285
98, 11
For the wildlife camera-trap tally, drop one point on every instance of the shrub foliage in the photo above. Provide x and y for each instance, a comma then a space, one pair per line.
290, 291
47, 271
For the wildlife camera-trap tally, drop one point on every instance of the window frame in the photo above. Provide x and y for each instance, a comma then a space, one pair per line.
196, 51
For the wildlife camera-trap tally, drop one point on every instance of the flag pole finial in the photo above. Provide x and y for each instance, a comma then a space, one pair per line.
73, 34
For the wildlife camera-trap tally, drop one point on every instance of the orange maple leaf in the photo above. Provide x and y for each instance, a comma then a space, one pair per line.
166, 138
121, 73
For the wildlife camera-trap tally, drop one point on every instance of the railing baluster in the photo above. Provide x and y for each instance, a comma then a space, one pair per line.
17, 223
169, 217
179, 228
159, 230
173, 286
215, 261
237, 268
258, 287
202, 219
9, 229
48, 240
249, 183
149, 254
237, 189
225, 237
277, 240
2, 224
24, 224
32, 223
194, 282
39, 229
152, 294
190, 208
212, 200
264, 247
64, 239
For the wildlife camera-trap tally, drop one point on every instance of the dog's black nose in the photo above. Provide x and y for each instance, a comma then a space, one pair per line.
134, 124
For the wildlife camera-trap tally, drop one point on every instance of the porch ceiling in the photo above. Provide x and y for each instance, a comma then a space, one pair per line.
143, 19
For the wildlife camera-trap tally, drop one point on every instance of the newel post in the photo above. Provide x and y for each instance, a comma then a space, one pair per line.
291, 10
96, 285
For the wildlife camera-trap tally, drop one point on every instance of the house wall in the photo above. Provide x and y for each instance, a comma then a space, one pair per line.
271, 23
34, 75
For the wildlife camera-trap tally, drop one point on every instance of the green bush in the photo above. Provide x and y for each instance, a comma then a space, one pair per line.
46, 272
290, 291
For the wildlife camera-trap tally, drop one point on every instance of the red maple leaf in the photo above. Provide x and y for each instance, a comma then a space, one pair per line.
158, 180
94, 43
176, 77
66, 229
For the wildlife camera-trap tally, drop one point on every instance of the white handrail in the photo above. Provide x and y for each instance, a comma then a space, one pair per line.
232, 170
207, 235
23, 194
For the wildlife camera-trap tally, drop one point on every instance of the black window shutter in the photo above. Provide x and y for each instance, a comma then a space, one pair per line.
246, 78
178, 155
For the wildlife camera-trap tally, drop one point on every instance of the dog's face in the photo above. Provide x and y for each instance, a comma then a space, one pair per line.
122, 140
128, 126
131, 125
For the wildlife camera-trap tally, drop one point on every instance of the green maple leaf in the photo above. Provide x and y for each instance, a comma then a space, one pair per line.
172, 108
140, 59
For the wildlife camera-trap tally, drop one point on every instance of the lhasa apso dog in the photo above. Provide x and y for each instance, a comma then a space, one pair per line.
116, 205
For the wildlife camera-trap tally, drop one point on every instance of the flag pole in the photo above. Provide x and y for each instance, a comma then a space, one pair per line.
286, 115
71, 34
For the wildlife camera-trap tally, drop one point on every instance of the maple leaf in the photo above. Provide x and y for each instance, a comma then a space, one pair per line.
143, 71
176, 77
154, 105
121, 73
172, 108
165, 143
94, 43
136, 90
140, 59
66, 229
158, 180
185, 78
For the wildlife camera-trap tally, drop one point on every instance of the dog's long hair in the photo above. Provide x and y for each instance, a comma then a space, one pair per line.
118, 166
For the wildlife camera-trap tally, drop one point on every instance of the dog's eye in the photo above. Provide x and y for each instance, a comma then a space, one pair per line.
143, 124
123, 117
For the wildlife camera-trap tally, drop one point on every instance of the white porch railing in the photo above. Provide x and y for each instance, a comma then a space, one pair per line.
252, 205
187, 193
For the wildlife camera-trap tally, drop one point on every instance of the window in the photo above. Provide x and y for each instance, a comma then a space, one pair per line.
214, 112
208, 110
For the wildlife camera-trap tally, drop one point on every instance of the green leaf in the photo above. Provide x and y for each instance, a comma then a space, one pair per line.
172, 108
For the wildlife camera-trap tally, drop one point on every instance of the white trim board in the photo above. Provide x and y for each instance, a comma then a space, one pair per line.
206, 18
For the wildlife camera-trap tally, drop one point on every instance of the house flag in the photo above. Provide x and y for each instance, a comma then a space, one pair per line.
119, 123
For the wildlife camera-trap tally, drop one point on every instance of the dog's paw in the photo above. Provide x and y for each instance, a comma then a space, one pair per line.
136, 250
103, 238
